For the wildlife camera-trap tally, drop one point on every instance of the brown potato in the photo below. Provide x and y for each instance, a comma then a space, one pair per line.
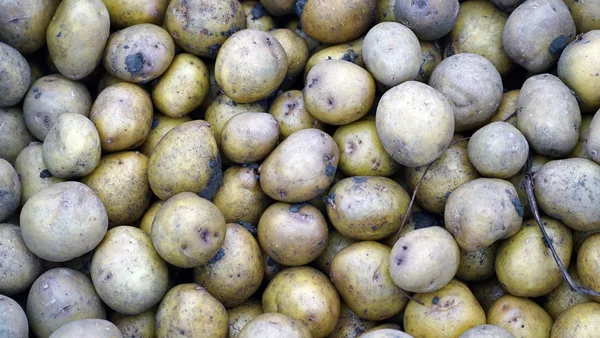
14, 134
430, 20
249, 137
290, 112
125, 13
520, 316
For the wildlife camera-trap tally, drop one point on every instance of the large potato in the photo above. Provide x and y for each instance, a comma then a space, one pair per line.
14, 134
415, 123
76, 37
63, 221
13, 320
430, 20
125, 13
15, 76
20, 267
33, 172
275, 325
520, 316
581, 320
24, 22
92, 327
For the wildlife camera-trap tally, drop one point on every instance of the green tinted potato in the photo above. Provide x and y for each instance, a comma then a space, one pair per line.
249, 137
351, 51
297, 52
257, 17
563, 297
588, 260
581, 320
242, 314
33, 172
222, 108
477, 265
431, 56
488, 291
586, 14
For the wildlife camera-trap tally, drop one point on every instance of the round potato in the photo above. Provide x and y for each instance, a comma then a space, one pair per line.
486, 331
128, 274
473, 87
338, 92
242, 314
125, 13
16, 76
20, 267
360, 273
297, 52
193, 311
448, 312
148, 218
477, 265
305, 294
275, 325
520, 316
536, 33
33, 172
161, 124
430, 20
141, 325
24, 23
588, 260
482, 211
14, 135
13, 320
249, 137
257, 17
60, 296
63, 221
585, 14
76, 37
488, 291
351, 52
415, 123
507, 111
222, 108
431, 56
563, 297
290, 112
580, 320
418, 219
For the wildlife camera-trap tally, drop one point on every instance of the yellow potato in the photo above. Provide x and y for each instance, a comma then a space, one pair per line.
520, 316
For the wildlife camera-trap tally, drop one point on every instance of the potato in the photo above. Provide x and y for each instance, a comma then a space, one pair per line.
579, 237
587, 263
520, 316
271, 268
63, 221
161, 124
482, 211
487, 291
278, 7
431, 56
424, 260
139, 53
141, 325
201, 26
76, 37
148, 218
507, 107
128, 274
519, 181
275, 325
99, 328
223, 108
385, 11
297, 52
13, 321
536, 32
242, 314
472, 85
349, 324
336, 21
249, 137
585, 14
361, 152
188, 230
10, 185
239, 256
591, 138
125, 13
418, 219
507, 5
250, 66
301, 167
430, 20
486, 331
447, 312
189, 310
445, 174
60, 296
305, 294
24, 23
51, 96
16, 76
580, 320
478, 30
338, 92
556, 184
14, 135
351, 51
367, 208
257, 16
335, 243
477, 265
33, 172
290, 112
411, 134
360, 273
563, 297
121, 182
386, 333
185, 159
20, 267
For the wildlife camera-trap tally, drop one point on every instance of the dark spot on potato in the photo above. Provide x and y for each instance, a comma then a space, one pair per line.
45, 173
359, 179
134, 63
154, 123
294, 208
59, 34
108, 276
404, 247
249, 227
312, 82
330, 170
220, 254
37, 93
126, 47
350, 56
203, 233
399, 261
299, 8
518, 206
557, 45
215, 180
268, 41
230, 32
435, 300
447, 194
259, 11
373, 228
419, 3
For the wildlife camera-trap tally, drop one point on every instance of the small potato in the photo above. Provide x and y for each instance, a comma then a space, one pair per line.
392, 53
257, 17
487, 292
360, 273
361, 151
385, 11
290, 112
242, 314
14, 135
350, 325
592, 139
20, 267
431, 56
563, 297
447, 173
482, 211
121, 182
585, 14
335, 243
424, 260
250, 65
275, 325
13, 320
292, 234
486, 331
51, 96
148, 218
430, 20
336, 21
161, 124
525, 266
279, 7
507, 108
536, 32
76, 37
477, 265
24, 23
60, 296
201, 26
520, 316
297, 52
305, 294
556, 184
472, 85
249, 137
351, 52
72, 147
415, 123
478, 30
338, 92
141, 325
125, 13
33, 172
301, 167
581, 320
223, 108
189, 310
63, 221
551, 129
367, 208
16, 76
128, 274
588, 260
447, 312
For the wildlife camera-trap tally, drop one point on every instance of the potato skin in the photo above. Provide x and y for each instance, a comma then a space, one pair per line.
278, 7
13, 320
297, 52
351, 52
161, 124
14, 135
592, 139
431, 56
20, 267
563, 297
585, 15
99, 328
141, 325
290, 112
507, 107
487, 292
33, 172
488, 331
125, 13
477, 265
580, 320
275, 325
350, 325
76, 52
242, 314
520, 316
430, 20
16, 76
24, 22
10, 185
588, 260
257, 17
249, 137
222, 108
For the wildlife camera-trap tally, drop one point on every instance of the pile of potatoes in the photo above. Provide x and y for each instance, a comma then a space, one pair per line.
309, 168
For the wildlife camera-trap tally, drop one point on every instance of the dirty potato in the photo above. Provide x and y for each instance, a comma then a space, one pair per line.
290, 112
16, 76
14, 134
